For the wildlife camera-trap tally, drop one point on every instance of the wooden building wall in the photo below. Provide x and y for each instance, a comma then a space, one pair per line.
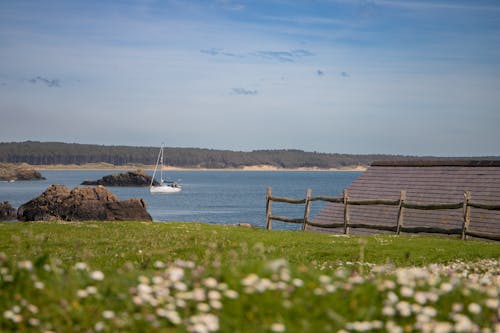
425, 182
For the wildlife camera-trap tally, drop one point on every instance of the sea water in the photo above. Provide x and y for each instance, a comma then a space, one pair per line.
221, 197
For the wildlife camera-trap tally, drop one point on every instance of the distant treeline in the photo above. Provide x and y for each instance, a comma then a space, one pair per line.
37, 153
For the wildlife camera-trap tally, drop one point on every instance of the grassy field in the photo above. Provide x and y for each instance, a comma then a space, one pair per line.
187, 277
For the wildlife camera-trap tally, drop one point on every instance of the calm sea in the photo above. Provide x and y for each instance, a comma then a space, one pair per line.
222, 197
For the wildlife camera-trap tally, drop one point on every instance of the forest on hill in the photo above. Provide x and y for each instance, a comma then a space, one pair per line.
46, 153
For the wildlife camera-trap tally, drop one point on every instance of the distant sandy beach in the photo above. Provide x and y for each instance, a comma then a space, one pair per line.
106, 166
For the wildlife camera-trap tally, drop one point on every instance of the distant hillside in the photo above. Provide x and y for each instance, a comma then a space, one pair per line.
45, 153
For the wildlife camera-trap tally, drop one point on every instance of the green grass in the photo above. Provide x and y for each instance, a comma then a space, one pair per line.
312, 282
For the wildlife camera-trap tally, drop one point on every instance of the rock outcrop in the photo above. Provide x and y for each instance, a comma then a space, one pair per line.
82, 204
138, 178
10, 172
7, 212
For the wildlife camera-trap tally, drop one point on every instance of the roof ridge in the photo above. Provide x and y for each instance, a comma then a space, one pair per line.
437, 163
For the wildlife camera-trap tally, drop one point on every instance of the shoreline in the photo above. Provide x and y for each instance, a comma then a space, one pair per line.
104, 166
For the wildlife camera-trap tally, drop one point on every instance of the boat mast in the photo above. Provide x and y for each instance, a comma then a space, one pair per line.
156, 166
161, 161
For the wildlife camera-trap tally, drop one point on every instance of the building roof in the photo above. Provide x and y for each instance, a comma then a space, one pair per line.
425, 182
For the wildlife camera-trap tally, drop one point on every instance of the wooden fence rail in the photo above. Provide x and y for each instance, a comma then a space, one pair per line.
397, 228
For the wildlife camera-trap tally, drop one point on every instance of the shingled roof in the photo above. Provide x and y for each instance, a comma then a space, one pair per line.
425, 182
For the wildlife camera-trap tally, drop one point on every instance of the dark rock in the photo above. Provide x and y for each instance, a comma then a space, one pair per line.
138, 178
82, 204
7, 212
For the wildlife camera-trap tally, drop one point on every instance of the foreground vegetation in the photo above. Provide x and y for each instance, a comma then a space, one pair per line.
147, 277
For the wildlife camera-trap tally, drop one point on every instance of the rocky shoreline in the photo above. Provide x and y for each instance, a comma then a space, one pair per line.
13, 172
58, 202
137, 178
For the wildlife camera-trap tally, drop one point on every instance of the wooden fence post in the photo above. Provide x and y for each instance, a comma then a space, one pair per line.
346, 212
307, 208
269, 225
402, 199
466, 221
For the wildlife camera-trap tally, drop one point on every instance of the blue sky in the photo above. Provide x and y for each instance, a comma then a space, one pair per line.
384, 76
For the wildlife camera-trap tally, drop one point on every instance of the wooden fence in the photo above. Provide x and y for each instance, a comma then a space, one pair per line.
397, 228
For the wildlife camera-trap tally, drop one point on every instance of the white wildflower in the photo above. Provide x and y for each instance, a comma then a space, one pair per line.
492, 303
39, 285
34, 322
205, 322
158, 280
389, 284
181, 286
442, 327
231, 294
420, 297
99, 326
8, 314
25, 264
457, 307
250, 280
158, 264
143, 279
91, 290
214, 295
404, 308
199, 294
388, 311
446, 287
406, 291
324, 279
180, 303
175, 274
391, 327
170, 315
32, 308
81, 266
429, 311
277, 265
297, 283
144, 289
474, 308
278, 327
222, 286
392, 298
215, 304
108, 314
82, 293
210, 282
463, 324
97, 276
203, 307
364, 326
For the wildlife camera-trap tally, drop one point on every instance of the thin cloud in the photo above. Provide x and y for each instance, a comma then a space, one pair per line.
212, 51
230, 5
48, 82
243, 91
280, 56
284, 56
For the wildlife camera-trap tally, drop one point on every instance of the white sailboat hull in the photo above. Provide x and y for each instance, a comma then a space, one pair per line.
164, 189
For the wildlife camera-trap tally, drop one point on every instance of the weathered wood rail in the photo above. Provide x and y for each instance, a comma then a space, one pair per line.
397, 228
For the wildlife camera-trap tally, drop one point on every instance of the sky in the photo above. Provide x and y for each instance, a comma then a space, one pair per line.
407, 77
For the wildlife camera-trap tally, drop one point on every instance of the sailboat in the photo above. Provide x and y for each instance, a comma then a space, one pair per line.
166, 186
